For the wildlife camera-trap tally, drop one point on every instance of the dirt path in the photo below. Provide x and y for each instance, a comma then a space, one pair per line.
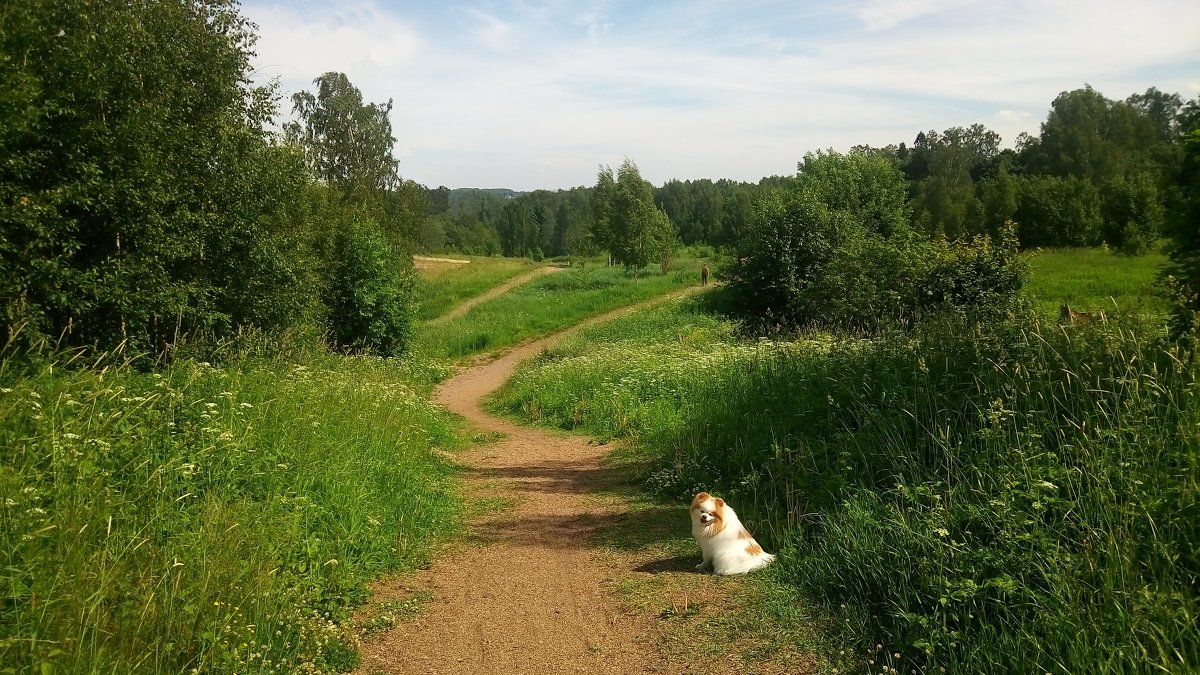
531, 598
461, 310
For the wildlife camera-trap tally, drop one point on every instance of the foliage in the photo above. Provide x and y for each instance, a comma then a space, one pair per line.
1024, 498
977, 277
136, 182
1058, 211
370, 292
837, 251
204, 519
1133, 213
1184, 270
627, 222
347, 145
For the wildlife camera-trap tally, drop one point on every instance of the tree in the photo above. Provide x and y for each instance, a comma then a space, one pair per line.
1183, 272
627, 221
138, 183
348, 144
945, 198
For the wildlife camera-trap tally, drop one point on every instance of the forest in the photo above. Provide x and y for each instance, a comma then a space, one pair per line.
1100, 172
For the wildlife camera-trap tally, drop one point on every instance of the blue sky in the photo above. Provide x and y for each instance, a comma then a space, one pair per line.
530, 95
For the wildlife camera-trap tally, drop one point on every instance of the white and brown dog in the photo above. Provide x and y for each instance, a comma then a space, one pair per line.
725, 544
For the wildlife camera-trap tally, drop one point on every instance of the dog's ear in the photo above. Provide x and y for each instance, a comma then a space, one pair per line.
701, 497
720, 503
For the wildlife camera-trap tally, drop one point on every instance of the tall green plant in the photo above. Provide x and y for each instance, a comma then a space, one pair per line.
369, 297
136, 182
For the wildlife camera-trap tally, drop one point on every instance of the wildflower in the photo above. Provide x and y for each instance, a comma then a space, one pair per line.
243, 404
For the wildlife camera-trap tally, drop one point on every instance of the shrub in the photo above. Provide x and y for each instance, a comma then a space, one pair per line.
976, 276
837, 251
370, 292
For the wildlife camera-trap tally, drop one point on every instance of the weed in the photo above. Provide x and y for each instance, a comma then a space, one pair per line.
212, 519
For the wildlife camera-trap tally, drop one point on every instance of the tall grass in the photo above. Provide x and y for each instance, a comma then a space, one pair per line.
442, 286
1020, 500
209, 519
542, 306
1092, 279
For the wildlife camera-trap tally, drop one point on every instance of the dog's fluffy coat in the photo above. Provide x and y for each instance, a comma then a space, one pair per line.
725, 544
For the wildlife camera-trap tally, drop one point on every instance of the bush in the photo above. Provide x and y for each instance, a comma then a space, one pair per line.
115, 224
837, 251
1058, 211
370, 292
977, 277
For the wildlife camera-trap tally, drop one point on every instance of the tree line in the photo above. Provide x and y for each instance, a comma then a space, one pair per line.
144, 200
1100, 171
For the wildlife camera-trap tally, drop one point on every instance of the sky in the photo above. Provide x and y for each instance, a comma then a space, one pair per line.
537, 95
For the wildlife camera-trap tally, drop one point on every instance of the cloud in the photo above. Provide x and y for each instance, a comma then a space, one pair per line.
877, 15
535, 96
359, 39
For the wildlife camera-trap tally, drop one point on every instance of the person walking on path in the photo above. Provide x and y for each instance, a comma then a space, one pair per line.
704, 274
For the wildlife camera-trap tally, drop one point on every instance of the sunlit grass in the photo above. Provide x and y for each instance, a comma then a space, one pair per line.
1020, 499
210, 519
442, 286
542, 306
1095, 279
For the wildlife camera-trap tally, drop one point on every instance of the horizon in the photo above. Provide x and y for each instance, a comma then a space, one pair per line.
538, 97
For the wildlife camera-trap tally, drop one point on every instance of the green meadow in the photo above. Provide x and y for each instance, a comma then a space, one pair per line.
546, 305
442, 286
1095, 279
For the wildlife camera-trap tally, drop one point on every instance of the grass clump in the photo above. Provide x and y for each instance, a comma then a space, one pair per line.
210, 519
1018, 500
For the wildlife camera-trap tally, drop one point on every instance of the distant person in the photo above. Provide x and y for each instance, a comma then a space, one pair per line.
704, 274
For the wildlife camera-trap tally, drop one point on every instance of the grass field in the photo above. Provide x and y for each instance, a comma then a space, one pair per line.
210, 519
544, 306
1095, 279
442, 286
1020, 500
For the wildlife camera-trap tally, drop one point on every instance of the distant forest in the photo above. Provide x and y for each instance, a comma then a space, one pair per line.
1100, 171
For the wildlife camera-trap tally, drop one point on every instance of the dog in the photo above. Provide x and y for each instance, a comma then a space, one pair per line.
725, 544
1068, 316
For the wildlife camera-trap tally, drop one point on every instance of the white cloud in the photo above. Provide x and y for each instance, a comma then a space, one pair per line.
879, 15
359, 38
536, 96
